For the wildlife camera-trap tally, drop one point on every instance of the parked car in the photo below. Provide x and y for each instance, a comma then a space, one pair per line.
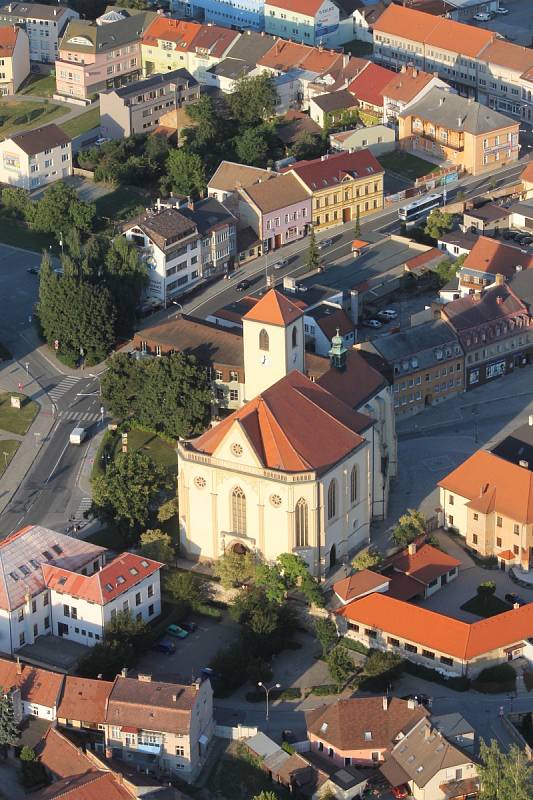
101, 140
243, 286
300, 287
482, 16
325, 243
513, 597
281, 263
501, 10
34, 270
387, 314
190, 627
372, 323
401, 791
175, 630
165, 646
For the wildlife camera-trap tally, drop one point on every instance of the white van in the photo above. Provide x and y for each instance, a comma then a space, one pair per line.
77, 435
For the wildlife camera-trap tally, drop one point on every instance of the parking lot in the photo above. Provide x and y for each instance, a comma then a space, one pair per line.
21, 288
517, 26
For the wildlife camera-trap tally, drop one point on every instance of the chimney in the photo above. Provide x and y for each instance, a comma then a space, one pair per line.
19, 666
499, 300
415, 73
427, 733
411, 703
197, 684
144, 678
404, 68
521, 463
124, 672
108, 752
385, 703
411, 549
500, 280
190, 203
516, 605
441, 101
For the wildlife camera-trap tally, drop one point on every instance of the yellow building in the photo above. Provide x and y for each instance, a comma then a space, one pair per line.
14, 58
343, 186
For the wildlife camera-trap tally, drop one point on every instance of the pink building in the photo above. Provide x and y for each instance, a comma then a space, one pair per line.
94, 56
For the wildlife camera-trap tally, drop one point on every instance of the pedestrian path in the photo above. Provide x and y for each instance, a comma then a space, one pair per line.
64, 386
77, 416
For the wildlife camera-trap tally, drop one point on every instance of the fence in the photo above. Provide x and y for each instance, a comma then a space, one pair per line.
238, 732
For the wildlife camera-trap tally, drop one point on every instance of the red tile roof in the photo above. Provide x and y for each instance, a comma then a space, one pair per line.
214, 39
307, 7
331, 170
484, 474
356, 384
507, 54
113, 580
404, 86
274, 309
92, 786
369, 84
489, 255
527, 173
61, 757
361, 582
294, 426
8, 40
507, 555
426, 564
422, 259
154, 705
36, 685
84, 700
284, 56
179, 31
438, 632
403, 587
496, 304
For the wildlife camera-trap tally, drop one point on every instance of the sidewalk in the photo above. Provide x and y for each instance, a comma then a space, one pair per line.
31, 336
11, 374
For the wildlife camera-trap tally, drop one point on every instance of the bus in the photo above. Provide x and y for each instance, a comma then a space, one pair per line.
418, 210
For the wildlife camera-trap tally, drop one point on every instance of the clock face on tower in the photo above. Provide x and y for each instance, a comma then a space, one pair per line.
264, 360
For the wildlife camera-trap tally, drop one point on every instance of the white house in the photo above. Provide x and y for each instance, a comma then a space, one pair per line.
288, 472
35, 158
44, 25
37, 690
82, 605
14, 59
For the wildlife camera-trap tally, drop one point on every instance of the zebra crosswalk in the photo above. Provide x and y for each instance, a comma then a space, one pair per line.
78, 416
85, 504
64, 386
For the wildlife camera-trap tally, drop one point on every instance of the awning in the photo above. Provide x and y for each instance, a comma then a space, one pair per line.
514, 647
507, 555
129, 729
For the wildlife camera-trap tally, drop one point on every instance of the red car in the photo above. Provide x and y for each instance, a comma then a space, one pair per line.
401, 791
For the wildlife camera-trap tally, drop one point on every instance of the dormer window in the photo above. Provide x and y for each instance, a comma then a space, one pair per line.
368, 736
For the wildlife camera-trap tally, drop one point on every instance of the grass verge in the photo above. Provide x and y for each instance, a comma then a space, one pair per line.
42, 85
20, 115
239, 774
8, 448
17, 234
406, 164
82, 123
17, 420
122, 203
486, 606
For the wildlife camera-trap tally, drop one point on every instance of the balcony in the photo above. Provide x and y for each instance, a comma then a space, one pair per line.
153, 748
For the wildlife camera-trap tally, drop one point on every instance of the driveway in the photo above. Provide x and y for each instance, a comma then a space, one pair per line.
9, 782
192, 653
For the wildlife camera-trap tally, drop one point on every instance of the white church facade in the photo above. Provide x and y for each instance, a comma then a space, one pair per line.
292, 470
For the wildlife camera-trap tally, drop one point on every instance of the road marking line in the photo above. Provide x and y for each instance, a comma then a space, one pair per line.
57, 462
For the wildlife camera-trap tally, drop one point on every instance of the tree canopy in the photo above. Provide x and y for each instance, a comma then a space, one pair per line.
438, 223
254, 99
409, 527
504, 776
369, 558
185, 173
157, 544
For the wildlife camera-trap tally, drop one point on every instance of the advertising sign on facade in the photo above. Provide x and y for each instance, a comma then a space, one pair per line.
326, 20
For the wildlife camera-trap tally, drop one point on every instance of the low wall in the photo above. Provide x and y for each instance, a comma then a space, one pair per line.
238, 732
83, 173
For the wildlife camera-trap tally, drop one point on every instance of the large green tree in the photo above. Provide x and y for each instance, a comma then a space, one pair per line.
9, 730
252, 147
369, 558
313, 253
326, 633
124, 637
185, 173
438, 223
60, 209
124, 494
504, 776
157, 544
126, 276
120, 385
253, 99
234, 569
340, 664
410, 526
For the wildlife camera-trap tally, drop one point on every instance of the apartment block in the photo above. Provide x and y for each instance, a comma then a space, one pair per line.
14, 58
245, 15
35, 158
44, 25
137, 107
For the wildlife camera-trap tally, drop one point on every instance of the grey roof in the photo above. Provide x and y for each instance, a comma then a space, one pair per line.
518, 446
464, 240
489, 212
138, 87
415, 341
33, 10
262, 745
231, 68
166, 227
208, 214
332, 101
453, 724
105, 37
458, 113
523, 207
522, 285
251, 46
40, 139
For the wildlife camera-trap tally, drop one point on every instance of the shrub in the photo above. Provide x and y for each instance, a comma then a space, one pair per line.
340, 664
486, 589
292, 693
205, 610
288, 748
458, 683
500, 678
325, 689
353, 644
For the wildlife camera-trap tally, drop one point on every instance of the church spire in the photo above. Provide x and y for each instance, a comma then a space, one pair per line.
337, 353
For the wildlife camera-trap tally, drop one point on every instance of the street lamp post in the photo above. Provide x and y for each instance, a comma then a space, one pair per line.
267, 690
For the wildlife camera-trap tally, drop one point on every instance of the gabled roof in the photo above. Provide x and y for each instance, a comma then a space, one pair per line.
442, 107
40, 139
229, 175
294, 426
180, 31
284, 56
84, 700
343, 724
357, 383
280, 193
527, 173
91, 786
495, 304
214, 40
8, 39
117, 577
153, 705
22, 555
307, 7
486, 475
507, 54
426, 564
36, 685
331, 170
274, 309
335, 101
489, 255
369, 84
85, 36
405, 85
61, 757
166, 228
361, 582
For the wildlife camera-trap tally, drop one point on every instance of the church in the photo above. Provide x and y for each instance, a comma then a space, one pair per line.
298, 467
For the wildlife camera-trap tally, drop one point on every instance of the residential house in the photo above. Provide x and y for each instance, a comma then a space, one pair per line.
334, 77
365, 15
83, 707
361, 730
407, 86
247, 15
426, 363
91, 786
60, 757
361, 583
344, 186
430, 765
326, 322
379, 139
277, 209
457, 243
171, 247
137, 107
333, 109
428, 569
229, 177
43, 24
83, 605
296, 125
286, 435
25, 608
211, 44
458, 131
489, 218
493, 327
487, 259
35, 158
487, 499
14, 58
506, 77
241, 59
456, 729
218, 349
154, 723
284, 56
216, 226
93, 57
38, 690
165, 44
368, 88
434, 640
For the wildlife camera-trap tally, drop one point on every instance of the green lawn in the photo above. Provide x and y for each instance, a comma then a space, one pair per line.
238, 774
83, 122
111, 538
122, 203
42, 85
8, 448
150, 444
486, 607
19, 115
17, 234
17, 420
407, 164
